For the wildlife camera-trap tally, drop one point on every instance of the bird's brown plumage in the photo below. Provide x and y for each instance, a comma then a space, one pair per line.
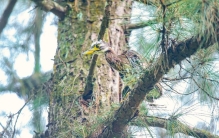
125, 62
130, 64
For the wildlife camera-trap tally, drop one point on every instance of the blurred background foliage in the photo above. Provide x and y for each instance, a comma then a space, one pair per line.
21, 28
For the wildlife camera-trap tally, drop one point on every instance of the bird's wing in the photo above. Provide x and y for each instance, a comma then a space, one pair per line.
122, 63
134, 59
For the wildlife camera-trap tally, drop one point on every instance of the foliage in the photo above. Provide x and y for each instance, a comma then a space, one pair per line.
21, 39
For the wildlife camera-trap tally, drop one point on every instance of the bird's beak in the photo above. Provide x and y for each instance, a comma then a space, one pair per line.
91, 51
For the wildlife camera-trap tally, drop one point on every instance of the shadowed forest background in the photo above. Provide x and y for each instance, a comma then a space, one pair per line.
82, 96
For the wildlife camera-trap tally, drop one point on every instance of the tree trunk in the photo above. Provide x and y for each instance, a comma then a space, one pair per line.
69, 114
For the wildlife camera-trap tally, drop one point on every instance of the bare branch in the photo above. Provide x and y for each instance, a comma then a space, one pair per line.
173, 90
55, 8
18, 114
5, 129
205, 91
10, 117
6, 14
175, 79
178, 126
140, 25
129, 27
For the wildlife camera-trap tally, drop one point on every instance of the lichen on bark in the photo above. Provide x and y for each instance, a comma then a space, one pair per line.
79, 28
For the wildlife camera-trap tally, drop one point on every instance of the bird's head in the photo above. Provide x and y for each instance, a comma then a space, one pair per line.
97, 46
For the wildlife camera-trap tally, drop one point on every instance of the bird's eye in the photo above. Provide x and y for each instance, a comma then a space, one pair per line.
97, 46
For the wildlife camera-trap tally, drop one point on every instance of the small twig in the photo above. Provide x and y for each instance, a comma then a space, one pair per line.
10, 121
5, 129
18, 114
199, 75
173, 3
177, 91
174, 79
62, 59
205, 91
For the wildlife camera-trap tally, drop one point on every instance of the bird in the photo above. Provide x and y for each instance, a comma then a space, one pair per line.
124, 63
129, 64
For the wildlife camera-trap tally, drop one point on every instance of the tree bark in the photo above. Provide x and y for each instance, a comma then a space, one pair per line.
79, 28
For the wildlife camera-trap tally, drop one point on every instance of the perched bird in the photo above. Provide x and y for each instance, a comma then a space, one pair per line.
129, 64
124, 63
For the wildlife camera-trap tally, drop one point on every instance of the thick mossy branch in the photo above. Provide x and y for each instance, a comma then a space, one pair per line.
152, 75
175, 126
55, 8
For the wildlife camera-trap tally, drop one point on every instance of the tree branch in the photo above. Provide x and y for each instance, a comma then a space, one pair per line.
10, 121
55, 8
167, 5
151, 76
6, 14
38, 25
89, 82
105, 20
156, 3
129, 27
140, 25
148, 2
177, 127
